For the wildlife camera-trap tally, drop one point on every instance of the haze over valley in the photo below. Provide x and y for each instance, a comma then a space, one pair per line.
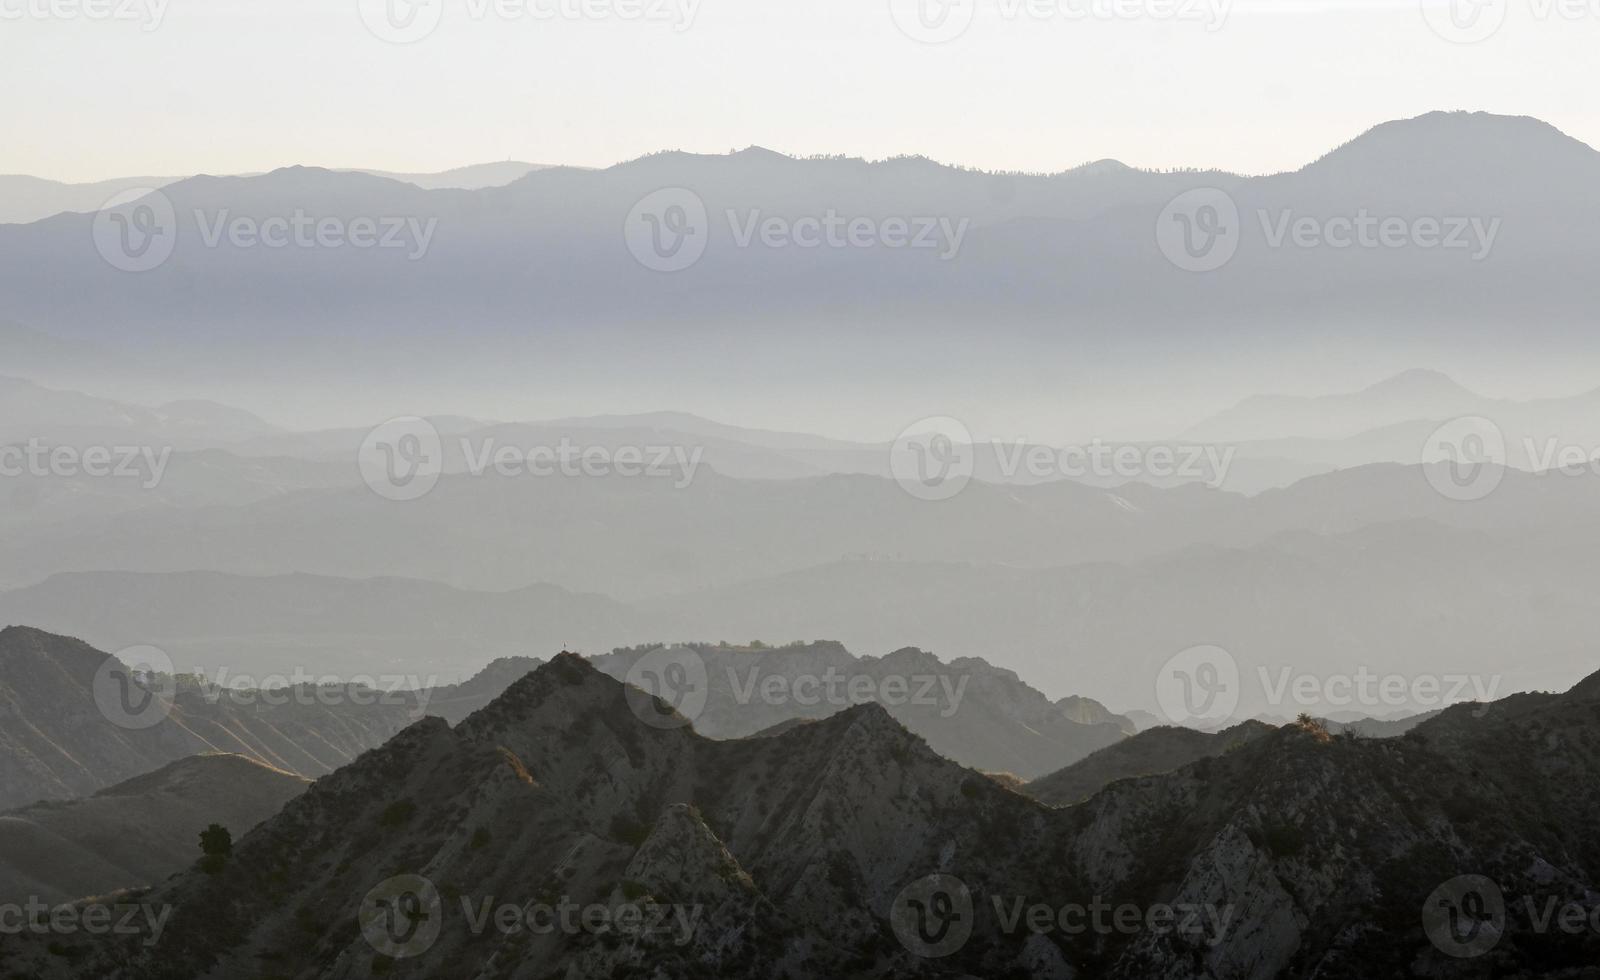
799, 490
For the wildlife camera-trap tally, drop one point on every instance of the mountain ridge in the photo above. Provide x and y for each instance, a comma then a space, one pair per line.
797, 850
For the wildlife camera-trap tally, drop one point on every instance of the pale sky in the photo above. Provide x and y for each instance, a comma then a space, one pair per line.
243, 85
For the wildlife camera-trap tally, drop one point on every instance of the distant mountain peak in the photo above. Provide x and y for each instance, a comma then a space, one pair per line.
1102, 167
1466, 120
1447, 145
754, 152
1587, 689
566, 686
1418, 380
914, 657
1418, 393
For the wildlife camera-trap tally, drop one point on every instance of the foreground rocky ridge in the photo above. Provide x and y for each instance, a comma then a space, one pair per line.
808, 853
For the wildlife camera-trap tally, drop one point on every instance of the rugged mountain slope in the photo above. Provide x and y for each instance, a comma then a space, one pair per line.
968, 710
57, 743
137, 832
559, 791
1330, 848
1156, 750
808, 854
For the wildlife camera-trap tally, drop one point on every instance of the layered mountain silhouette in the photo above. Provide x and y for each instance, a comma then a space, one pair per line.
1079, 589
62, 744
1150, 752
268, 626
835, 848
25, 199
1074, 252
57, 741
979, 715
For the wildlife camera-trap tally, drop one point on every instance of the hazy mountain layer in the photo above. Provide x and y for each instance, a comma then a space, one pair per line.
1060, 269
977, 714
967, 710
1150, 752
135, 833
58, 740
